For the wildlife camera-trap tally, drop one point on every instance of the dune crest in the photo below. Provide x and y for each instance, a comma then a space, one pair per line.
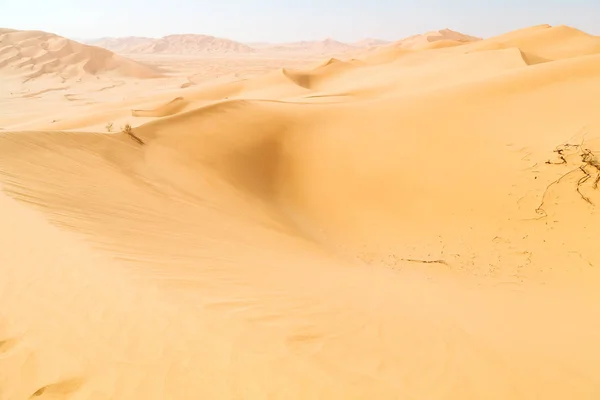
432, 37
545, 42
172, 107
312, 79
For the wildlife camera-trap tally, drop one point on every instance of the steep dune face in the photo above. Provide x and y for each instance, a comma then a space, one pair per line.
312, 79
33, 54
431, 234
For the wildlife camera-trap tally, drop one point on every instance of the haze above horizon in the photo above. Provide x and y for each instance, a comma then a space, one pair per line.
272, 21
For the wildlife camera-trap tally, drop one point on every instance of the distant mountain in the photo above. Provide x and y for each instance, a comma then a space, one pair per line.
173, 44
33, 54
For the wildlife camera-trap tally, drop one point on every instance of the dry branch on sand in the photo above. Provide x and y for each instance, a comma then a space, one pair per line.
589, 166
589, 160
425, 261
127, 129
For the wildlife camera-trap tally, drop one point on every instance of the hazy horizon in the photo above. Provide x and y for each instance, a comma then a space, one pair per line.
270, 21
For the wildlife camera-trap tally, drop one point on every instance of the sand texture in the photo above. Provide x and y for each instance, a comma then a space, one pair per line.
416, 221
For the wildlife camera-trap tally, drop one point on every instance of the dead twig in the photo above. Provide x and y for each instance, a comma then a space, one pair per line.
127, 129
425, 261
540, 209
588, 160
581, 181
561, 156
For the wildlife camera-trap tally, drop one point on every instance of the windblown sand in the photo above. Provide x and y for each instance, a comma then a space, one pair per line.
416, 223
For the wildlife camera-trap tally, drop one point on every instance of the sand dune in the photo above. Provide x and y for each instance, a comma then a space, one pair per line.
312, 79
429, 40
428, 232
432, 37
542, 43
34, 54
552, 43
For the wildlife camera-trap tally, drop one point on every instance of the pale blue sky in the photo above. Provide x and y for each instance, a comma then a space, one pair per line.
278, 21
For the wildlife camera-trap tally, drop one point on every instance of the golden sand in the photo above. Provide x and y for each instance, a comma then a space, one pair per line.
418, 223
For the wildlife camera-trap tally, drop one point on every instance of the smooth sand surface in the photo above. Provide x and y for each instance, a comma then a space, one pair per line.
416, 223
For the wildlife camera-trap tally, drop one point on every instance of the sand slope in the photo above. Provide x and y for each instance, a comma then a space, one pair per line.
429, 40
428, 233
34, 54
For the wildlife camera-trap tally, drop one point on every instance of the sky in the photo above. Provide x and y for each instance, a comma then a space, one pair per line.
285, 21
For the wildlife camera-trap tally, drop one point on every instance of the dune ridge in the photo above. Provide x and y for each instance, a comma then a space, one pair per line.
428, 38
170, 108
418, 222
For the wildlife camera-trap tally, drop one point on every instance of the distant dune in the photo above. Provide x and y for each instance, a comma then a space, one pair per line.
33, 54
426, 41
433, 36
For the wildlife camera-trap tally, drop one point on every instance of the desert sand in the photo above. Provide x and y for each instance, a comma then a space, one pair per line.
417, 220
